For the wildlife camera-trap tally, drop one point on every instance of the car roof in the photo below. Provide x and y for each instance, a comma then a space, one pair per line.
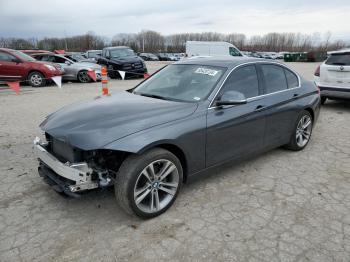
225, 61
339, 51
7, 49
116, 47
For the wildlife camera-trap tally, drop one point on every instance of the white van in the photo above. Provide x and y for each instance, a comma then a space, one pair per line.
201, 48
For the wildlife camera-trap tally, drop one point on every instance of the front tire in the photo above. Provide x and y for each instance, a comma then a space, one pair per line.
148, 184
302, 132
36, 79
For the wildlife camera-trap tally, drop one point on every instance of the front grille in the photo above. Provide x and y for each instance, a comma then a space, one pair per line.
132, 66
63, 151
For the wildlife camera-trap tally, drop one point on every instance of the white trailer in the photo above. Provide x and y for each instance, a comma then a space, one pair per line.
201, 48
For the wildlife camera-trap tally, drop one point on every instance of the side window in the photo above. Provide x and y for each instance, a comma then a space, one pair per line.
103, 53
275, 79
292, 79
45, 58
6, 57
243, 80
59, 60
234, 52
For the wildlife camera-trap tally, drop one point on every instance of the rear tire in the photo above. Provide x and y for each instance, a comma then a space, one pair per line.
323, 100
302, 132
83, 77
36, 79
148, 184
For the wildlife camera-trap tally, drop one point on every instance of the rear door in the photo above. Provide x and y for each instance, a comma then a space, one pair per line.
10, 68
236, 131
336, 71
280, 103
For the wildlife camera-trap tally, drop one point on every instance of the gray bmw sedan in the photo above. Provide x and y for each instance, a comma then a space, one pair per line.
186, 118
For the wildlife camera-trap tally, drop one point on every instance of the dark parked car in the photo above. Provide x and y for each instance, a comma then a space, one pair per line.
17, 66
148, 57
163, 57
188, 117
122, 58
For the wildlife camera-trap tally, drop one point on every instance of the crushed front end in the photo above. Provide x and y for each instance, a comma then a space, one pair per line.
70, 170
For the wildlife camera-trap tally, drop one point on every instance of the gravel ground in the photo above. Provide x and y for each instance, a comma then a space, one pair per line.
281, 206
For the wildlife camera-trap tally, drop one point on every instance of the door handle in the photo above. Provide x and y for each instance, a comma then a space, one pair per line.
295, 95
259, 108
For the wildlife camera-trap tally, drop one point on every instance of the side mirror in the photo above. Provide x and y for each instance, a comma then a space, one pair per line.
231, 98
67, 62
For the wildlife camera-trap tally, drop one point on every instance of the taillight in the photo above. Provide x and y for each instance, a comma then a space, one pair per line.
317, 72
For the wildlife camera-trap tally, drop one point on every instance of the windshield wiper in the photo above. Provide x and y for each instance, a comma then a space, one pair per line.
152, 96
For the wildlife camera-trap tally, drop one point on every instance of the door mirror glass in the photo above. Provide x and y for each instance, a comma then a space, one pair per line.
231, 97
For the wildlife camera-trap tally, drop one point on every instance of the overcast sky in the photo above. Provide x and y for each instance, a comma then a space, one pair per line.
39, 18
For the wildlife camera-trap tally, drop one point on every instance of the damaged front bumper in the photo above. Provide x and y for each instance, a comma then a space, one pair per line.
68, 178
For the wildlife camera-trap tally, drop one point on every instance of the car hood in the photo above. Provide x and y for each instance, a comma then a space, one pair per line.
127, 59
94, 123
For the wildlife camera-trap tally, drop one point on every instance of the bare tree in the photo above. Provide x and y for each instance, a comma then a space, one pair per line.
151, 41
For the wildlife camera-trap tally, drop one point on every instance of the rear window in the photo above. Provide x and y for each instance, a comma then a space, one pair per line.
275, 79
339, 59
292, 79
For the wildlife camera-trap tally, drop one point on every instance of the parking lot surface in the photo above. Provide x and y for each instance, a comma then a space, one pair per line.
280, 206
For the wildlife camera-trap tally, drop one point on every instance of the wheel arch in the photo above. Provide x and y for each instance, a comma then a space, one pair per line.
35, 70
172, 148
311, 111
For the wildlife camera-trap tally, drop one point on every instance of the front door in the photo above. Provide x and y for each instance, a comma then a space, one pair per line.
236, 131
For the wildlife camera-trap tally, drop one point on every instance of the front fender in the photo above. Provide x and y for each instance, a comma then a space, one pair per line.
186, 134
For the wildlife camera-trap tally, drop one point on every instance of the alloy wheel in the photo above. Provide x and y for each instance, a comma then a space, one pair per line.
36, 80
156, 186
83, 77
303, 131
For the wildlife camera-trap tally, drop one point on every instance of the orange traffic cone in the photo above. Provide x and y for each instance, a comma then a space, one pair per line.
104, 81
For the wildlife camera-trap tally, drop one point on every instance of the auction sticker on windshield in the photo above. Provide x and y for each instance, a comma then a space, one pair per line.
206, 71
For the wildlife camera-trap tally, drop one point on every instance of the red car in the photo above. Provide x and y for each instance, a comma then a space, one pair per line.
15, 65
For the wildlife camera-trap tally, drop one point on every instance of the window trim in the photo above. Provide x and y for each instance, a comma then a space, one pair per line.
259, 96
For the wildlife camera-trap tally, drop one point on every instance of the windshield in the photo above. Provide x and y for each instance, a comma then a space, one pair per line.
93, 54
76, 57
188, 83
121, 52
339, 59
23, 56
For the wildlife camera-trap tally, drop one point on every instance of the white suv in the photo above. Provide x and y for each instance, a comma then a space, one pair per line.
333, 76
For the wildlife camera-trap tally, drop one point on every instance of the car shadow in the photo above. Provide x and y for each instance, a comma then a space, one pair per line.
343, 105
